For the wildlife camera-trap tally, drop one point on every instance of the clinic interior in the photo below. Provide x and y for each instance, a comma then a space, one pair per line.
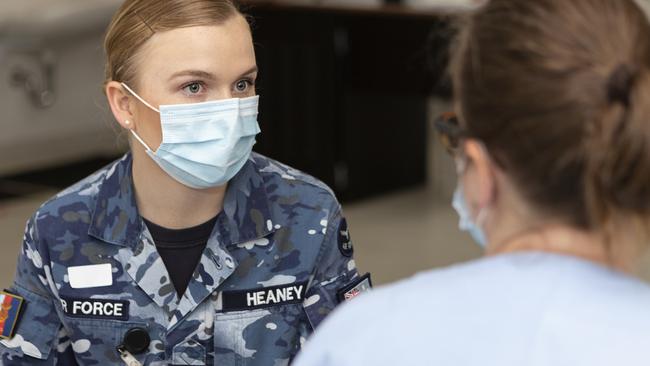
349, 91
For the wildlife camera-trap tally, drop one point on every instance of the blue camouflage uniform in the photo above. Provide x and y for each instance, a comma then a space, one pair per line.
276, 259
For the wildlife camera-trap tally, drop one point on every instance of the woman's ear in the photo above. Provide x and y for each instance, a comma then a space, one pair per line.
479, 178
120, 103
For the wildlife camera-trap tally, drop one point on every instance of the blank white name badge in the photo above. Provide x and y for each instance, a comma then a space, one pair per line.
95, 275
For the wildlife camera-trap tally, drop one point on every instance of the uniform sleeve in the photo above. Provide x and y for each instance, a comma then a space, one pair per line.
335, 272
345, 337
38, 328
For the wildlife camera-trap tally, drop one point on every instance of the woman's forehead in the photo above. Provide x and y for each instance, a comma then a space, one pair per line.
223, 50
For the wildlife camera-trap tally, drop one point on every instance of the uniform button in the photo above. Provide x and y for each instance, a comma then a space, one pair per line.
229, 262
136, 340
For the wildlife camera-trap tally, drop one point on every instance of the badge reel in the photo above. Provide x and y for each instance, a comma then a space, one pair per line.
135, 341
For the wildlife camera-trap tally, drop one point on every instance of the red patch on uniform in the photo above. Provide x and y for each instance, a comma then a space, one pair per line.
9, 312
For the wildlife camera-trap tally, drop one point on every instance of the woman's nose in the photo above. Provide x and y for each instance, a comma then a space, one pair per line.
224, 94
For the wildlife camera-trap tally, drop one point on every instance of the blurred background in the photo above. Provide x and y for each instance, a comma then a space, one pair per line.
349, 90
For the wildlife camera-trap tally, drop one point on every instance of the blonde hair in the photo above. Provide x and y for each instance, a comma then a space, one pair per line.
138, 20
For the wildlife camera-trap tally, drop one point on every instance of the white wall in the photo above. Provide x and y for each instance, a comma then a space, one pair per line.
78, 124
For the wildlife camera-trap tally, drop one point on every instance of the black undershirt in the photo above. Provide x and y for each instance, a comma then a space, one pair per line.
181, 250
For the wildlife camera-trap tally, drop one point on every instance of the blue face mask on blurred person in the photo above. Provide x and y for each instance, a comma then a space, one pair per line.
466, 223
204, 145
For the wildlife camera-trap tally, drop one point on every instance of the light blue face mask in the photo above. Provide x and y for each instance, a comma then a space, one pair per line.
204, 145
465, 222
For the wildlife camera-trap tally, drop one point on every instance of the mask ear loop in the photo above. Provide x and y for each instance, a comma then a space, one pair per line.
481, 217
139, 98
461, 165
146, 104
141, 141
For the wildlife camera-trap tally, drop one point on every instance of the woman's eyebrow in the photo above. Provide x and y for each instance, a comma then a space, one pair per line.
205, 74
195, 73
252, 70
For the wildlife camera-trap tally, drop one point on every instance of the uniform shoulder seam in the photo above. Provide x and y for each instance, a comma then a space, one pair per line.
81, 185
288, 173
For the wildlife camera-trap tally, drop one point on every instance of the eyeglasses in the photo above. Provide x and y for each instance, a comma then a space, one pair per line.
449, 132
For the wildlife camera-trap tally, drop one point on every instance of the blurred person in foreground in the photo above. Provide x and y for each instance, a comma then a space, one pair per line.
552, 147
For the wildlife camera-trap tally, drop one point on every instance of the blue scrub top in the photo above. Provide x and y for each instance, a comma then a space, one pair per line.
509, 310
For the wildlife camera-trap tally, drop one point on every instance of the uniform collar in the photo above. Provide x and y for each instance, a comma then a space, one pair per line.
115, 217
247, 207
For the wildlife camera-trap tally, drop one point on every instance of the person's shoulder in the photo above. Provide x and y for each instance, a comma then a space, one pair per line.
383, 321
76, 202
288, 181
613, 294
422, 291
404, 295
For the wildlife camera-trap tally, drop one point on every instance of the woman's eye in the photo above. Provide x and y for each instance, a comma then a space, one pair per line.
193, 88
242, 86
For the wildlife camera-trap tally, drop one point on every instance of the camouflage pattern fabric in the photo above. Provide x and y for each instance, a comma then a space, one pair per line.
279, 229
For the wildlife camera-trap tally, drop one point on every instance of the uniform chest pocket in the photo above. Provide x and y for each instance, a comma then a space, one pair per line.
95, 341
267, 336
